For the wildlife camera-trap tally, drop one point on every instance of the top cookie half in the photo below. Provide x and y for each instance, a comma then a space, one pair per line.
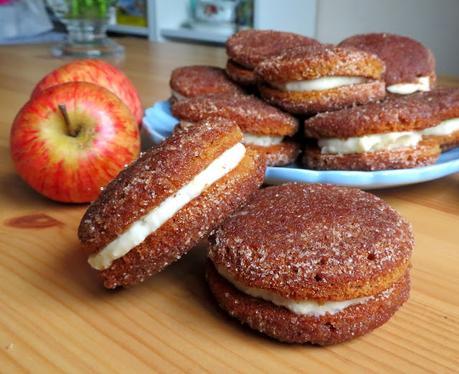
249, 47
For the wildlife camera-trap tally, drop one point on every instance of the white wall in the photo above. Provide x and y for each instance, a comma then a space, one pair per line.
433, 22
286, 15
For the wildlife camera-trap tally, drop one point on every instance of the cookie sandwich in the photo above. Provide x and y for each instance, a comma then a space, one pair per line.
410, 66
160, 206
247, 48
394, 134
265, 128
444, 105
311, 263
196, 80
308, 80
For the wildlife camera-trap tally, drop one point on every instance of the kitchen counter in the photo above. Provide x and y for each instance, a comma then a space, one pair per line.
56, 316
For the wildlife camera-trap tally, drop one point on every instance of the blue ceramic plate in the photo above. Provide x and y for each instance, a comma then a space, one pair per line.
158, 124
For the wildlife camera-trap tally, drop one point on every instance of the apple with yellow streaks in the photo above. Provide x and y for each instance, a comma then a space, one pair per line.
71, 139
98, 72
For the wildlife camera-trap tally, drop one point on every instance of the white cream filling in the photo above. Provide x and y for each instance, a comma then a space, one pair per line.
387, 141
302, 307
423, 84
446, 127
319, 84
261, 140
177, 95
140, 229
370, 143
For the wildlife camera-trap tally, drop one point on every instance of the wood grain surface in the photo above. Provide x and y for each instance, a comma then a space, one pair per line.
55, 315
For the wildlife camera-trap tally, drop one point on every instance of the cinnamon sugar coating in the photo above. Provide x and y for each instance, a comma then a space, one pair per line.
312, 241
286, 326
249, 47
189, 225
446, 141
402, 113
240, 74
425, 153
156, 175
198, 80
280, 154
312, 102
304, 63
252, 115
406, 59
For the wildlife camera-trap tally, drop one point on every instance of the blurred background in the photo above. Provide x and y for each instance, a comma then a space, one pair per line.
433, 22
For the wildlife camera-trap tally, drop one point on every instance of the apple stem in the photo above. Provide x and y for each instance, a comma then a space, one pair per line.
68, 124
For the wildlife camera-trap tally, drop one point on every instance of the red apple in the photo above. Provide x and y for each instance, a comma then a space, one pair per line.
98, 72
70, 140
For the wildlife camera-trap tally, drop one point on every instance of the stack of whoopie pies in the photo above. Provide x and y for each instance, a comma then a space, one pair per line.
298, 262
368, 103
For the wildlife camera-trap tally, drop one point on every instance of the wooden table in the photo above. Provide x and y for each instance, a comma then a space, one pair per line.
55, 316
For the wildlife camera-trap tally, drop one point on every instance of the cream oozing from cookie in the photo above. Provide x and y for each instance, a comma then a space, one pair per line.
370, 143
261, 140
301, 307
386, 141
446, 127
319, 84
422, 84
153, 220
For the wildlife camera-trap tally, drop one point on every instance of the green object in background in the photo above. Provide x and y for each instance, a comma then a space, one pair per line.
89, 9
244, 14
86, 22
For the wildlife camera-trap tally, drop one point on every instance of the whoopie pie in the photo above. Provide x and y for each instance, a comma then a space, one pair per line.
410, 66
311, 263
161, 205
265, 128
196, 80
308, 80
247, 48
404, 131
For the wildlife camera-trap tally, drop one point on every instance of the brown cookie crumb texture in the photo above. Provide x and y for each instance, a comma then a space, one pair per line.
199, 80
241, 74
312, 102
406, 59
402, 113
446, 142
425, 153
189, 225
312, 241
306, 63
281, 154
286, 326
249, 47
248, 112
156, 175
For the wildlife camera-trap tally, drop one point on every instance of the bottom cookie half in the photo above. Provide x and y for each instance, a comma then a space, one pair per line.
286, 326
